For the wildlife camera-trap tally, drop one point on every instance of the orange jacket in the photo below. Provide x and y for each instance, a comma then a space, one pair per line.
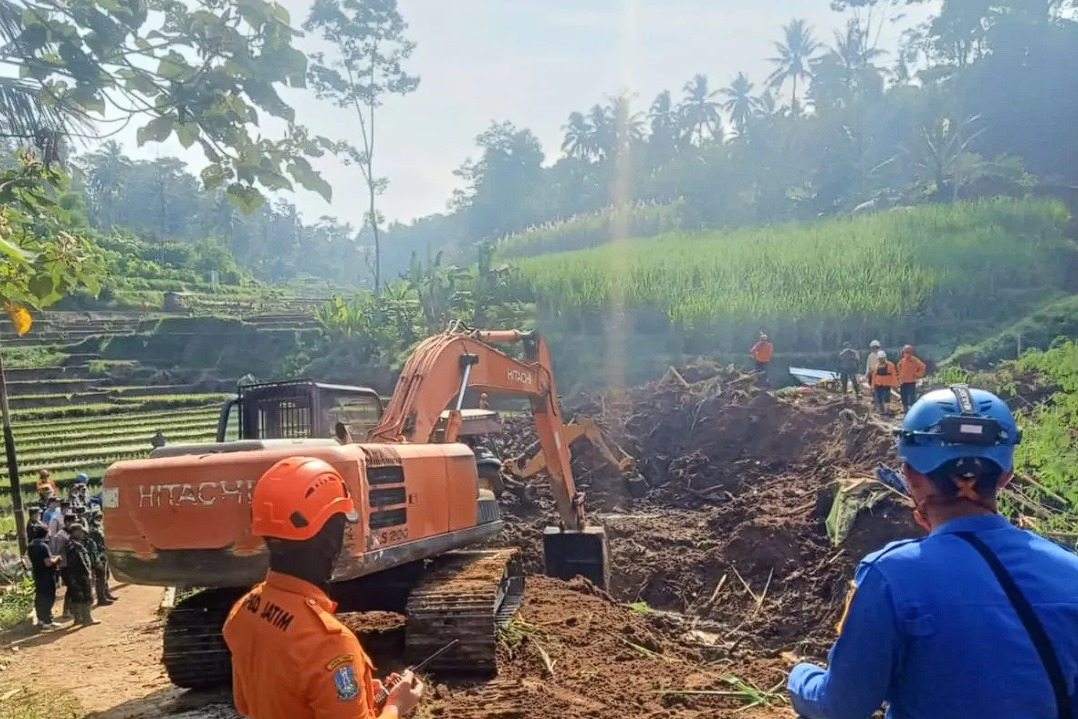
890, 376
292, 658
762, 351
910, 369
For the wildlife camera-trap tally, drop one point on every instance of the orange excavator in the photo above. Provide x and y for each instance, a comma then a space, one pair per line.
183, 519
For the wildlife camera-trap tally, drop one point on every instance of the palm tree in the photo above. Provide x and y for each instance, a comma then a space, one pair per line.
662, 143
578, 137
740, 103
602, 131
794, 57
627, 126
700, 111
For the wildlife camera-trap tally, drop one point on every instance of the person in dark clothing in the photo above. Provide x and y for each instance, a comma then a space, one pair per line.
34, 521
80, 576
43, 569
849, 361
59, 541
95, 544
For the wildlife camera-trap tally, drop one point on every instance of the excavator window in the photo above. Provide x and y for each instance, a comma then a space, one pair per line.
298, 409
359, 413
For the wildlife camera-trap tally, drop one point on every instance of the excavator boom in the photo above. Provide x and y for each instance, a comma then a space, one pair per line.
439, 373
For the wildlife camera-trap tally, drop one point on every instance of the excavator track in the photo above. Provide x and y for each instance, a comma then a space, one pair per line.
465, 596
195, 654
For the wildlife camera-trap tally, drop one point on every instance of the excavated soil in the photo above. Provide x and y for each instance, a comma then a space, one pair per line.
729, 532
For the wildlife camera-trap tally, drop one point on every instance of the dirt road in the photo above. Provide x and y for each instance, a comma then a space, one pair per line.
108, 671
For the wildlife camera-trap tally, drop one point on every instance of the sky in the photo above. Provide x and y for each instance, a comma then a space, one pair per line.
531, 62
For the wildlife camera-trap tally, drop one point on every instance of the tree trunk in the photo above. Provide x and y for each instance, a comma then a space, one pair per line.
377, 243
12, 464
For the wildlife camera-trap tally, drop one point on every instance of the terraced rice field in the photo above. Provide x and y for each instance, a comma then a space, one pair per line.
67, 442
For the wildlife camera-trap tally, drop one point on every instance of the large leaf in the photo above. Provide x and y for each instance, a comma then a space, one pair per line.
156, 130
15, 253
245, 197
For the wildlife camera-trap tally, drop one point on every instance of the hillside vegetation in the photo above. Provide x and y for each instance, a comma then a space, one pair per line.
929, 264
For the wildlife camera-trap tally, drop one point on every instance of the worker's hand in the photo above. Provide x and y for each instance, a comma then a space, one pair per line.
407, 694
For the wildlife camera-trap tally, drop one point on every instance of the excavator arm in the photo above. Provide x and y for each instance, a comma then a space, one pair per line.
444, 366
438, 374
532, 461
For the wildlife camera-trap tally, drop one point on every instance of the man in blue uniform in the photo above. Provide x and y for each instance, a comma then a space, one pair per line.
978, 618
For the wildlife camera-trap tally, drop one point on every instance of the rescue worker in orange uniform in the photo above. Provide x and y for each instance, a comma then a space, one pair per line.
291, 657
761, 355
884, 378
910, 369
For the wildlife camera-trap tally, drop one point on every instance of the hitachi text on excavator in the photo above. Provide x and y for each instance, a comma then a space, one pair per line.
183, 519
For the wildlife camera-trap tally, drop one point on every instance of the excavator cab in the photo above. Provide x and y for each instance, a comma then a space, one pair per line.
298, 409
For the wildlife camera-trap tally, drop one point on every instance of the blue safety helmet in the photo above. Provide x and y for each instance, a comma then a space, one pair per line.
81, 478
958, 423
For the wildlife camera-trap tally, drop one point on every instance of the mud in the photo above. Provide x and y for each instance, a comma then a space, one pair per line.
731, 530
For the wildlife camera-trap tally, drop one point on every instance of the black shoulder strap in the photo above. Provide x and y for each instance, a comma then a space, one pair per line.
1030, 621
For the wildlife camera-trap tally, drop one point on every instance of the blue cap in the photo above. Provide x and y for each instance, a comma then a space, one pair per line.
81, 478
958, 423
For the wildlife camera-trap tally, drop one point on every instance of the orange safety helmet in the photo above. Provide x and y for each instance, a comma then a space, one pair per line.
296, 497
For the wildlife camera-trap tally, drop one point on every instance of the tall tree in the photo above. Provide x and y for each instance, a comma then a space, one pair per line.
793, 60
740, 102
367, 66
106, 172
602, 131
627, 124
578, 142
663, 138
700, 111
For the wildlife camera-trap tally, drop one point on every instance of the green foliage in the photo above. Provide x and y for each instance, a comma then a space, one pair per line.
595, 229
854, 273
204, 73
41, 261
1058, 318
16, 600
366, 333
1048, 450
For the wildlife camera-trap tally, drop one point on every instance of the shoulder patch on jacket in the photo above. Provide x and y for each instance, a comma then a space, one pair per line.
344, 679
342, 659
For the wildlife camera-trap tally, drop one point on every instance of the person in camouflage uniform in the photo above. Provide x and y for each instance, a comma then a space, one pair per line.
99, 561
80, 576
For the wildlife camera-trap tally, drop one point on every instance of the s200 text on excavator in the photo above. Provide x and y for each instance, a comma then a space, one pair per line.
183, 519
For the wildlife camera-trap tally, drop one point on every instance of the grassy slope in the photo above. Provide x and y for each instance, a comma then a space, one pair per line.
934, 262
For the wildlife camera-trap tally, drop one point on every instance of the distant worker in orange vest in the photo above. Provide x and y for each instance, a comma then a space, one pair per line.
910, 369
291, 657
884, 378
761, 355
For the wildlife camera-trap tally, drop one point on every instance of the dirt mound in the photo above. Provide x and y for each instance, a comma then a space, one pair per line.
572, 650
731, 531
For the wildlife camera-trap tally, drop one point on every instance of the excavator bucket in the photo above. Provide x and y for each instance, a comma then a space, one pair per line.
584, 553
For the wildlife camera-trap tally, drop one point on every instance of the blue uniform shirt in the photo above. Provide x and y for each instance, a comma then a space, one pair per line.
930, 631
